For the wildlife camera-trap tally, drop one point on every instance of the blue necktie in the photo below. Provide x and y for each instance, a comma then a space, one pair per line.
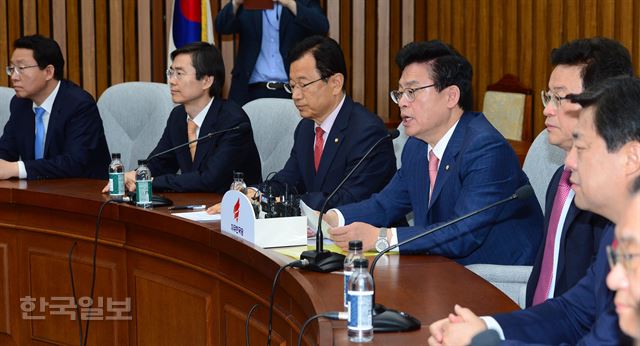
39, 144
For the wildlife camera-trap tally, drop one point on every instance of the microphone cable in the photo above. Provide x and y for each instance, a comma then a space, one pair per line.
331, 315
246, 324
73, 289
295, 264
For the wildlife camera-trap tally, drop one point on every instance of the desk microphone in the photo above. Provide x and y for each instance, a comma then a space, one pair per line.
242, 128
161, 201
327, 261
389, 320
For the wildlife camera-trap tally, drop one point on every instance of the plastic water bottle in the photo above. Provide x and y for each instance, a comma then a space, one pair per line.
143, 185
360, 325
355, 251
116, 176
238, 182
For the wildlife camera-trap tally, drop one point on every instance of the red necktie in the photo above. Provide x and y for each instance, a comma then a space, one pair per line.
546, 270
318, 147
433, 172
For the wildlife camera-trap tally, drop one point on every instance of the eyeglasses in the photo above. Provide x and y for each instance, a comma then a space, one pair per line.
17, 69
288, 87
396, 95
177, 74
548, 96
617, 255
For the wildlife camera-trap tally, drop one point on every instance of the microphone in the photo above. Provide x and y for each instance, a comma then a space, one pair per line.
242, 128
486, 338
389, 320
327, 261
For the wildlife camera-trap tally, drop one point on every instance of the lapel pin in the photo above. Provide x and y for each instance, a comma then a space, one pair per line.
446, 168
336, 140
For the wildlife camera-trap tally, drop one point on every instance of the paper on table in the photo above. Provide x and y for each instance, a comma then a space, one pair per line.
200, 216
312, 220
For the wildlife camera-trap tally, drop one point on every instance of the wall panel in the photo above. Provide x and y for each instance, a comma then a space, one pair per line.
106, 42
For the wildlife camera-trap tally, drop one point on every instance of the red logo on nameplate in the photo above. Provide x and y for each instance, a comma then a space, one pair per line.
236, 210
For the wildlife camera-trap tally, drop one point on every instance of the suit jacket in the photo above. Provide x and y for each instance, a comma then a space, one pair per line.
216, 158
309, 21
579, 242
584, 315
478, 168
75, 145
354, 131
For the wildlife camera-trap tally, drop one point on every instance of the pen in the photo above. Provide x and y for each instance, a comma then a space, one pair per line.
188, 207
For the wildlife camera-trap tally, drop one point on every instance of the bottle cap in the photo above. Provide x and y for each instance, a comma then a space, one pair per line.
355, 245
361, 263
115, 156
238, 175
142, 162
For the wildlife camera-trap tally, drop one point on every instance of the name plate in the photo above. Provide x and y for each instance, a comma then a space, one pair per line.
237, 219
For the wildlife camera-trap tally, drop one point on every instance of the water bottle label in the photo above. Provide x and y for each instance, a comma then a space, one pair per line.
345, 296
116, 184
143, 191
360, 310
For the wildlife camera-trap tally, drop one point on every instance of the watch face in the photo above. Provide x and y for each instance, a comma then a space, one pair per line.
381, 244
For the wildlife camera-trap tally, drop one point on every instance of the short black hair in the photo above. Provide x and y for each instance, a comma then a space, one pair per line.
327, 53
603, 58
46, 51
207, 61
617, 114
448, 67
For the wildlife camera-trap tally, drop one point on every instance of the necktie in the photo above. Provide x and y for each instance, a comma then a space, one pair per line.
39, 142
318, 147
433, 172
191, 134
546, 270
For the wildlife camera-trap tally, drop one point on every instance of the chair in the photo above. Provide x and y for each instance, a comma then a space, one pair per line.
508, 106
134, 115
273, 122
6, 94
398, 145
542, 160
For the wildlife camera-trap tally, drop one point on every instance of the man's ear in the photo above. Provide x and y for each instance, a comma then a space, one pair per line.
453, 96
337, 83
632, 164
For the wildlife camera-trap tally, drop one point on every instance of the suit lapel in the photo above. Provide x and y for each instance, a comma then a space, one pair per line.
286, 17
334, 139
208, 125
421, 170
448, 161
53, 117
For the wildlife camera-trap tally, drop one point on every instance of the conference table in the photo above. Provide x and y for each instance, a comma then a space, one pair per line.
163, 280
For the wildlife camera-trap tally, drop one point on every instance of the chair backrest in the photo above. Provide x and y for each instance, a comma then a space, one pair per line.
542, 160
6, 94
273, 122
398, 145
508, 106
134, 115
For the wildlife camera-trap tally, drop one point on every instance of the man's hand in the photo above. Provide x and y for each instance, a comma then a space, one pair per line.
290, 4
8, 169
357, 230
457, 329
129, 182
330, 217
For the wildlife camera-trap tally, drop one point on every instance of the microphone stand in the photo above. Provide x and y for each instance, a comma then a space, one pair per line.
327, 261
389, 320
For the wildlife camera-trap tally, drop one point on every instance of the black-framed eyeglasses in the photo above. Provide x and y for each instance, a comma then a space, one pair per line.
617, 255
549, 96
288, 87
396, 95
17, 69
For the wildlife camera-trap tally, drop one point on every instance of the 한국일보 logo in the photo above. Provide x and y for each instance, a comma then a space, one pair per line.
236, 210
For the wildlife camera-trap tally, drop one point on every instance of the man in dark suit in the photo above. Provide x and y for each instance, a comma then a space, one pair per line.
266, 36
195, 78
65, 138
605, 163
453, 163
570, 246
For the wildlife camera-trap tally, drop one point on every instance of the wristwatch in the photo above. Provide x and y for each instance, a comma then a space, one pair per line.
382, 242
